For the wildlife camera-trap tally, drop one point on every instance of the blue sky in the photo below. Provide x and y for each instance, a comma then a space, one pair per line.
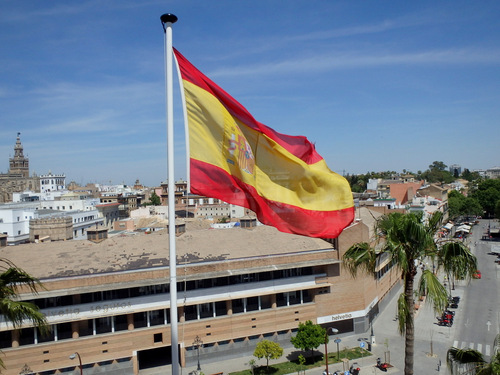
376, 85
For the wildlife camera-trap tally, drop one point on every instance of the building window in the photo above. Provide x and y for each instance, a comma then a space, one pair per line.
121, 323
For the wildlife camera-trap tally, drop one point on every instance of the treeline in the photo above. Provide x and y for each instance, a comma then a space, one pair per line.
436, 173
482, 197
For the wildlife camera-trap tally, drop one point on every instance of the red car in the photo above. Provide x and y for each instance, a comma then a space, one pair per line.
477, 274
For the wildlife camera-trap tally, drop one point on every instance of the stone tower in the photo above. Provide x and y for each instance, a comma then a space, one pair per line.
19, 165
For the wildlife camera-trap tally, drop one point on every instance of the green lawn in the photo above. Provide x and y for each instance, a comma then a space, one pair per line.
294, 366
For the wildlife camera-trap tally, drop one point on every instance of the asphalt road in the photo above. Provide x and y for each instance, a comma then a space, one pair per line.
477, 318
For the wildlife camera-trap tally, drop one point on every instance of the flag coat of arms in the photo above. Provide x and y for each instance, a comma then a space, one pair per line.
241, 161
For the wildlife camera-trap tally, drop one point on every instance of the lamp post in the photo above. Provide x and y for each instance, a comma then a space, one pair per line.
73, 356
334, 331
197, 342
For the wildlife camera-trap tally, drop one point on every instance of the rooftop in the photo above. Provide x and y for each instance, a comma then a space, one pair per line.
127, 252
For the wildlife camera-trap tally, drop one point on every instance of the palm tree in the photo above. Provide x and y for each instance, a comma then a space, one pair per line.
12, 278
471, 362
406, 240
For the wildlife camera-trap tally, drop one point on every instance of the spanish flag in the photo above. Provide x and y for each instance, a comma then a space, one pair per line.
237, 159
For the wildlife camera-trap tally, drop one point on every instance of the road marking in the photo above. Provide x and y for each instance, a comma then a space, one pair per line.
489, 325
455, 344
487, 350
471, 345
463, 345
479, 347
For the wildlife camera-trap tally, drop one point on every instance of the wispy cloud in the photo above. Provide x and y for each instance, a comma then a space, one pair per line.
327, 62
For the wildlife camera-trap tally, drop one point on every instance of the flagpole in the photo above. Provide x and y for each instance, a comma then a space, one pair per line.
167, 20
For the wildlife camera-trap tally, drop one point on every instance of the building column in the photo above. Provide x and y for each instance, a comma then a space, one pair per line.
135, 363
229, 307
273, 301
75, 328
180, 311
130, 322
15, 338
182, 355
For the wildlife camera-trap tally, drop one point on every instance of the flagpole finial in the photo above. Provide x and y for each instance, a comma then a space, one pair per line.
168, 17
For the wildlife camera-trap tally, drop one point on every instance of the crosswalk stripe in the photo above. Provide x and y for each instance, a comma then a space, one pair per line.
479, 347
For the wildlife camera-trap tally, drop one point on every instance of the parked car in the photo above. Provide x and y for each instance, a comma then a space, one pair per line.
476, 275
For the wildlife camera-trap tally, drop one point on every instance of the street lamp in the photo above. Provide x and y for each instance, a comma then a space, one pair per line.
197, 342
73, 356
334, 331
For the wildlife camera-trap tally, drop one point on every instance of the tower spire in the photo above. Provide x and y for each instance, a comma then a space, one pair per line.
19, 164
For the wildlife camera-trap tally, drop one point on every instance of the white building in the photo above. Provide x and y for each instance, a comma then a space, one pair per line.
51, 182
493, 172
83, 220
15, 221
69, 205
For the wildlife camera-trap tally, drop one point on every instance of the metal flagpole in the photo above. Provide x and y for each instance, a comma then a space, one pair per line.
167, 20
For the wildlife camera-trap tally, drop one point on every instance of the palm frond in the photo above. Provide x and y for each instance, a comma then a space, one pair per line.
404, 314
13, 278
17, 312
457, 260
360, 256
434, 222
430, 286
469, 360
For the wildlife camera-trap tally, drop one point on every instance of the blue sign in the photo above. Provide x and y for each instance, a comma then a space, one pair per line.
362, 344
337, 341
346, 372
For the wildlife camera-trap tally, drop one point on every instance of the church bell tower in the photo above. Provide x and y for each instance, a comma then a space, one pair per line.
19, 165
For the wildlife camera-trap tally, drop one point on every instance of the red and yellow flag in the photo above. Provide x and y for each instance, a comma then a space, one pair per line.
237, 159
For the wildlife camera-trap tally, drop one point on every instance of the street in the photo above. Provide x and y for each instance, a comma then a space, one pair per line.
477, 319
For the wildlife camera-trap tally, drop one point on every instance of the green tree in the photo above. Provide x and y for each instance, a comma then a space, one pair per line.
302, 361
407, 240
268, 350
438, 165
497, 210
470, 176
437, 173
154, 200
487, 194
471, 362
12, 279
471, 207
251, 363
455, 202
460, 205
309, 336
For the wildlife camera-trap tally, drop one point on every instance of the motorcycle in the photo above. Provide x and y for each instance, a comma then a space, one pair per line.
354, 371
382, 365
444, 322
